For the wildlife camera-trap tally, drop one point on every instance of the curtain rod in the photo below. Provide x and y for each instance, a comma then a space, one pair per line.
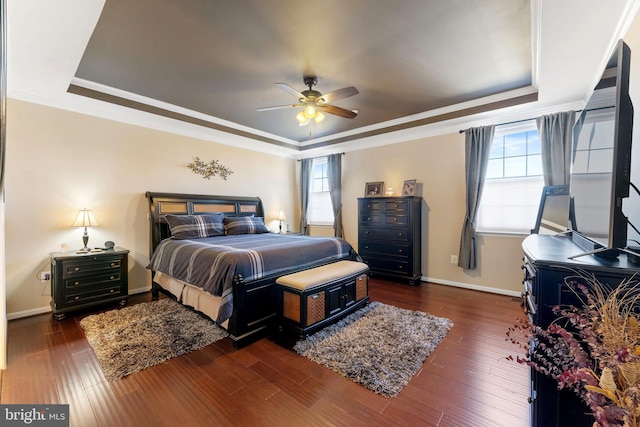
342, 154
514, 122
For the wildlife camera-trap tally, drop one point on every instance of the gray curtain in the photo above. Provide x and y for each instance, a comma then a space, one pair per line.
305, 176
555, 138
334, 173
477, 144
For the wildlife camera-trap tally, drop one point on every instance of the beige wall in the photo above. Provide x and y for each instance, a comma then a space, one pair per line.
59, 162
438, 164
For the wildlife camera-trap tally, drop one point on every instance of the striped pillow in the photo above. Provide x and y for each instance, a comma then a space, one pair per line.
195, 226
244, 225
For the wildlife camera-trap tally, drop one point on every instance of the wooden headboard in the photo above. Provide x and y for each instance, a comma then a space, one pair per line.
161, 204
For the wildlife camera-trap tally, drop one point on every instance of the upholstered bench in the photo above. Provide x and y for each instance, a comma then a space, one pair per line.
311, 299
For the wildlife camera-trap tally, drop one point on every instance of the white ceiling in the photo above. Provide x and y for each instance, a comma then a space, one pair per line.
202, 67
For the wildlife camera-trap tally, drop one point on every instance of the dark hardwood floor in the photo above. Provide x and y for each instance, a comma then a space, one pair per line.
466, 381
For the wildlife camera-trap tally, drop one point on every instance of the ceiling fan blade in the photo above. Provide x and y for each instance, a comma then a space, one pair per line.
277, 107
339, 111
345, 92
292, 91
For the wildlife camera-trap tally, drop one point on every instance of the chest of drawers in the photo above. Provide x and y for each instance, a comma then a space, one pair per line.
83, 280
389, 236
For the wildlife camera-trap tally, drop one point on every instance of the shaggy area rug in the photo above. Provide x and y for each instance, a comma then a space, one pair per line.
142, 335
380, 346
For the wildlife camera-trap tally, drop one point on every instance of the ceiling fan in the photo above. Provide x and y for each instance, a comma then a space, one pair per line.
315, 103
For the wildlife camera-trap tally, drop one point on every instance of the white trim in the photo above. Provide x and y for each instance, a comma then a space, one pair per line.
472, 287
47, 309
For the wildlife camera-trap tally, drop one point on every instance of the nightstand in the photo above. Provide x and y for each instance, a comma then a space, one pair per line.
80, 281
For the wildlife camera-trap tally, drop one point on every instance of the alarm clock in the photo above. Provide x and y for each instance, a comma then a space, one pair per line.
108, 245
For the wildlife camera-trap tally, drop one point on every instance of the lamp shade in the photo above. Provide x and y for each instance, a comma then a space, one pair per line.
281, 216
85, 218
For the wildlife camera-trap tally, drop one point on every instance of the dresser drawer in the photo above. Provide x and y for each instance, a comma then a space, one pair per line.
396, 220
385, 249
395, 206
385, 264
399, 234
370, 206
77, 268
370, 219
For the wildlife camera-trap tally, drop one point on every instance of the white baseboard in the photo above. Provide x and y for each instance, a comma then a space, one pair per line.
47, 309
473, 287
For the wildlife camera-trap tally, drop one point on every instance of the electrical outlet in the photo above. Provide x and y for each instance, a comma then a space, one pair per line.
45, 275
454, 259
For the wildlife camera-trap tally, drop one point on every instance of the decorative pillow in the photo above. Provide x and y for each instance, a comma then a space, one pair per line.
195, 226
244, 225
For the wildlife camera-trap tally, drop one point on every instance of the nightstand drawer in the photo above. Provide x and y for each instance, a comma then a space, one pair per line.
94, 295
75, 268
93, 281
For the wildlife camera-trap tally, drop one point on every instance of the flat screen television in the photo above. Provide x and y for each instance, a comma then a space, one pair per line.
601, 161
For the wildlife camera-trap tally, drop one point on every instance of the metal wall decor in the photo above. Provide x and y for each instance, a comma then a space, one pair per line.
207, 170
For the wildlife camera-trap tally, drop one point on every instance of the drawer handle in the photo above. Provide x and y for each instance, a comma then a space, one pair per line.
76, 269
77, 298
366, 247
395, 219
368, 218
399, 267
399, 251
366, 232
114, 264
76, 283
112, 278
315, 296
400, 234
395, 206
112, 290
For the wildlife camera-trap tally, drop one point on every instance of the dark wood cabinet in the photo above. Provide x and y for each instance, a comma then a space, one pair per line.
83, 280
389, 236
546, 266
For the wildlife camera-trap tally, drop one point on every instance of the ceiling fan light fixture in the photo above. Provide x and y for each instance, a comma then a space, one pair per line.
309, 111
301, 117
319, 117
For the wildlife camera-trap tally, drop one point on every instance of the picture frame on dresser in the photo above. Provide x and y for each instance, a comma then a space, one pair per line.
374, 189
409, 187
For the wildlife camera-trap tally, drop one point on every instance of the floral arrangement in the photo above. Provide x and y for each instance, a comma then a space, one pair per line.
596, 353
207, 170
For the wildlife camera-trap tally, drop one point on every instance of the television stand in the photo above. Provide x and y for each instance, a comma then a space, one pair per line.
548, 264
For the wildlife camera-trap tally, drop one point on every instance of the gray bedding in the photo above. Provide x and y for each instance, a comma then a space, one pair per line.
211, 263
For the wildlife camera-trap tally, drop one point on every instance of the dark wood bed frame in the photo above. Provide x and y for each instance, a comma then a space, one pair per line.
254, 302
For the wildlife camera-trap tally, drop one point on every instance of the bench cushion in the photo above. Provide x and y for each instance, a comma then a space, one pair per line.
308, 279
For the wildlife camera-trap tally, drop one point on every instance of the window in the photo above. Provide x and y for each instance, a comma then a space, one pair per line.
320, 210
514, 182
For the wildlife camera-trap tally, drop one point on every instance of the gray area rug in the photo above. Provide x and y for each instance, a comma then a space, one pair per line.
379, 346
142, 335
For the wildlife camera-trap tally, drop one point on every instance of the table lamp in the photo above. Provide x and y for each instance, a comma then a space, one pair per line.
85, 219
281, 218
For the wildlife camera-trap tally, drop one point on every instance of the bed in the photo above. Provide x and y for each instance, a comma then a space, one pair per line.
222, 261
